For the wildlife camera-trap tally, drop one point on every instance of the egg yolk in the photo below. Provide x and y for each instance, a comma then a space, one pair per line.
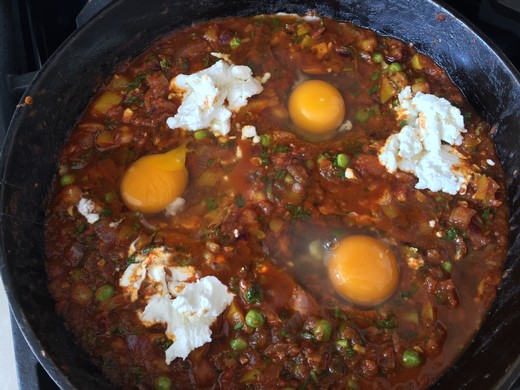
363, 270
316, 107
153, 182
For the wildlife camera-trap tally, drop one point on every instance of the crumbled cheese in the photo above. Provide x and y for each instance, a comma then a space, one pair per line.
265, 78
418, 148
249, 131
136, 272
186, 307
345, 126
490, 162
87, 208
173, 208
189, 316
210, 96
238, 153
115, 224
349, 174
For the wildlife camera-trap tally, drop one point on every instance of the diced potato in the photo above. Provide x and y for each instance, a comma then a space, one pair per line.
368, 44
386, 90
104, 139
106, 101
306, 42
417, 61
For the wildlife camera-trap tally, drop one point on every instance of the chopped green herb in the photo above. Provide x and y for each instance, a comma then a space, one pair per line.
136, 82
276, 23
487, 214
387, 323
279, 148
254, 294
264, 158
211, 204
165, 64
240, 201
373, 90
298, 211
185, 64
106, 212
375, 76
132, 259
131, 99
403, 123
280, 174
451, 234
235, 43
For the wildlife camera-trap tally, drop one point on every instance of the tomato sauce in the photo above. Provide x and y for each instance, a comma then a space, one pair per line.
259, 217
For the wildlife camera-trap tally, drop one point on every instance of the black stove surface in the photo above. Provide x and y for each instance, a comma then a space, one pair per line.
31, 30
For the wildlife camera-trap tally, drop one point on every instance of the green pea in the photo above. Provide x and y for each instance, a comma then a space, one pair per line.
67, 179
254, 318
235, 43
447, 266
163, 383
411, 358
200, 134
362, 115
109, 197
322, 330
342, 160
105, 292
265, 140
377, 57
396, 67
238, 344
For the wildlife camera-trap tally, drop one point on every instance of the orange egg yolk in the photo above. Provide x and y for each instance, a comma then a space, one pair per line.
152, 182
363, 270
316, 107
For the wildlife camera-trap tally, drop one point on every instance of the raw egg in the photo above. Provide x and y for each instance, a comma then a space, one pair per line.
153, 182
316, 107
363, 270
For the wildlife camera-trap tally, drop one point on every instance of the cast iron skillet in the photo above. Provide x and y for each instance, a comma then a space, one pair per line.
68, 80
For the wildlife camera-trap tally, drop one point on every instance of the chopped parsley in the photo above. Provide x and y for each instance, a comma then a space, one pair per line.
298, 212
254, 294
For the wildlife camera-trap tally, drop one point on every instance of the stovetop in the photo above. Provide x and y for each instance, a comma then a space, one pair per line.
31, 30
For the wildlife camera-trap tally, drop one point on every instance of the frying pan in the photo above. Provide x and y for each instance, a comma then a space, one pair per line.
62, 89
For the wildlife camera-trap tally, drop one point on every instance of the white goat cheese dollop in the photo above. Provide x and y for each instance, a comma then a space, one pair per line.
176, 299
210, 95
422, 147
87, 208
